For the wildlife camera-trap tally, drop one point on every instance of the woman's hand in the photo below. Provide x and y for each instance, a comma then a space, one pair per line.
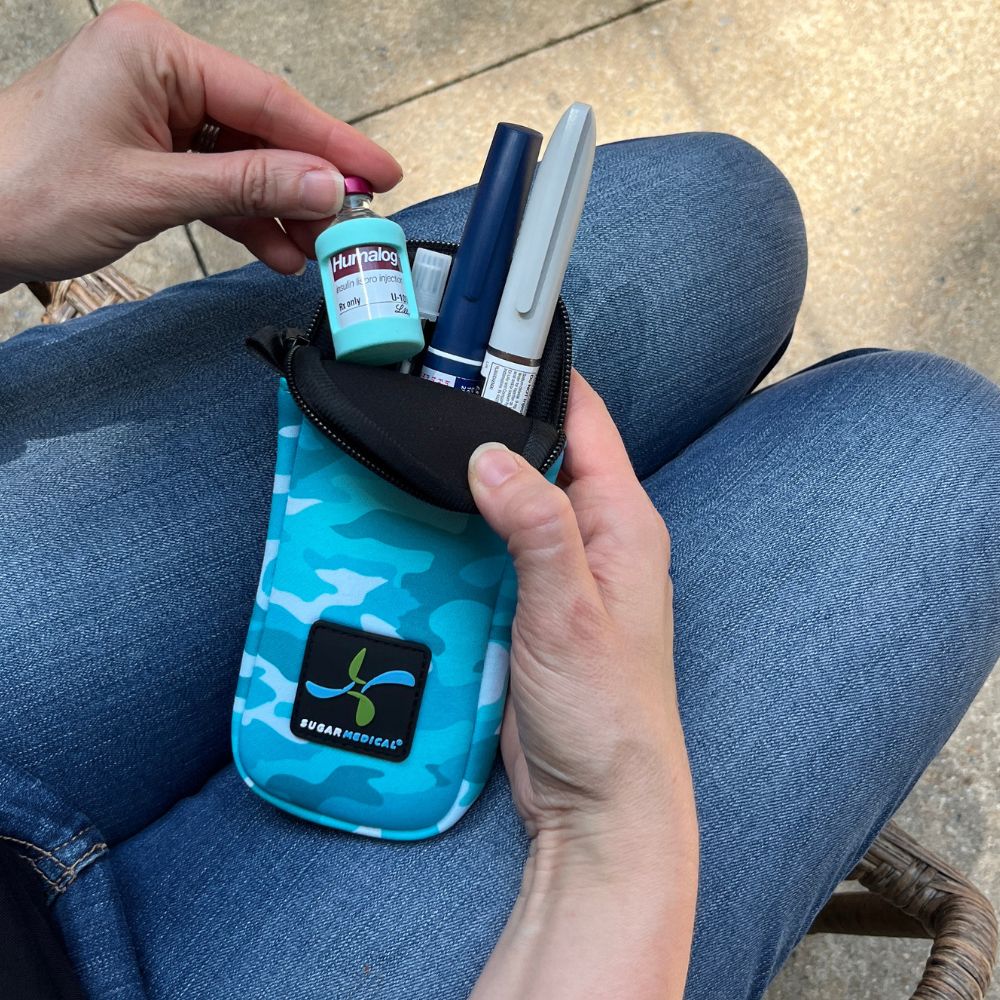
592, 739
93, 154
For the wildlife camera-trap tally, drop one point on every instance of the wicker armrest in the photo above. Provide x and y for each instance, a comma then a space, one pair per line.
914, 893
64, 300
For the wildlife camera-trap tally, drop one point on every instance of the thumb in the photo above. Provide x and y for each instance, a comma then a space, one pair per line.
536, 520
249, 182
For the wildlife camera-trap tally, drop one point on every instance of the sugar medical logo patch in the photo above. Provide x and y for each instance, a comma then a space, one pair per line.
360, 692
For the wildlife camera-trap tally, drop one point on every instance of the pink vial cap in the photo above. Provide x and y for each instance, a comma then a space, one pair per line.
357, 185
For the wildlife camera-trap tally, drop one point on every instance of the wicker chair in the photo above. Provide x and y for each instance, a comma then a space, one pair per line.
68, 299
908, 891
912, 893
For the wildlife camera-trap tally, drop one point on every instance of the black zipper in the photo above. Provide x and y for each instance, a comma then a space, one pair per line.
295, 341
564, 383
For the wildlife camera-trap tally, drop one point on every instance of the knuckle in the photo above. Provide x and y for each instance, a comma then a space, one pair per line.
253, 186
659, 532
122, 17
646, 525
539, 517
275, 87
655, 544
278, 86
545, 513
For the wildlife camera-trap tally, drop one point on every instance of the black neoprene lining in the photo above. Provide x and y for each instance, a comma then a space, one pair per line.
419, 432
414, 433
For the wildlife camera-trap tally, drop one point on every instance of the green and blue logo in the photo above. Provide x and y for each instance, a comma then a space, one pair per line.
364, 711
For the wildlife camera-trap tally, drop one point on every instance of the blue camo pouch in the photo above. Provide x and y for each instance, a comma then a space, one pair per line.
375, 670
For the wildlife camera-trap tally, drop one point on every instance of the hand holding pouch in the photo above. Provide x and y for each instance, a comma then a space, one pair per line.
375, 670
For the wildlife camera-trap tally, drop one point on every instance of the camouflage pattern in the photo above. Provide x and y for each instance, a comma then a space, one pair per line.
345, 546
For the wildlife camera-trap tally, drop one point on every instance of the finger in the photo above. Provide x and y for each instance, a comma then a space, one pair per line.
602, 453
247, 98
535, 519
598, 473
265, 240
305, 232
253, 182
227, 140
622, 531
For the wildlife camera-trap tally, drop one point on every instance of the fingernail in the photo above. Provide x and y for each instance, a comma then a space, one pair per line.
301, 270
492, 464
322, 191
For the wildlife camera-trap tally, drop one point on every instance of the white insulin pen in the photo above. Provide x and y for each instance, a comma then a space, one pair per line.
541, 254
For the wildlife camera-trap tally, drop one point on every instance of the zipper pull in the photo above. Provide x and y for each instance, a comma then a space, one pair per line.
273, 346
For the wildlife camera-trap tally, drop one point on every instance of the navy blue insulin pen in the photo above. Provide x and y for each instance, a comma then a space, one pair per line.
456, 350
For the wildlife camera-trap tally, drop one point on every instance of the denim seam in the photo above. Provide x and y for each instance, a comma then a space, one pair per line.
41, 850
38, 871
68, 877
74, 869
76, 836
69, 872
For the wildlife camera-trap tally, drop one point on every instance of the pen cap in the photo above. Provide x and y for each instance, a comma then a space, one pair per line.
545, 240
481, 263
430, 274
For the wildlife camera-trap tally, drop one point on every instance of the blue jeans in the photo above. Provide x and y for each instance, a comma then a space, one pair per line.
836, 566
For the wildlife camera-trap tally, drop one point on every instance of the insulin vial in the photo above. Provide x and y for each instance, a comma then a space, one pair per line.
367, 283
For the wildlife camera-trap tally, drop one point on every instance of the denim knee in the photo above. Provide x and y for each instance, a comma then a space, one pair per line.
836, 565
927, 428
729, 190
777, 252
946, 392
684, 284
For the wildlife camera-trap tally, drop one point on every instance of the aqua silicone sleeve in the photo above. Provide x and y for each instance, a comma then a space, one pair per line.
345, 546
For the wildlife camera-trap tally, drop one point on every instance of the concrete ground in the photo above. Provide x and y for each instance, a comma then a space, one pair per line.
882, 115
